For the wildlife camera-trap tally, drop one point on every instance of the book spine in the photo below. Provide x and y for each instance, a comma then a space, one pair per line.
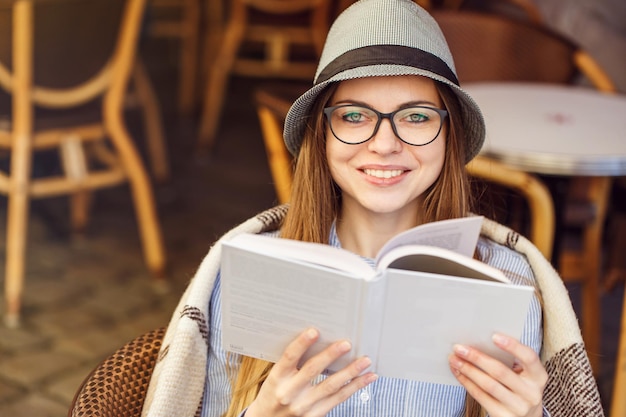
371, 319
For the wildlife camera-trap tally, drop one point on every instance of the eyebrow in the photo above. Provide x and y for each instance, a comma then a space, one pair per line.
401, 106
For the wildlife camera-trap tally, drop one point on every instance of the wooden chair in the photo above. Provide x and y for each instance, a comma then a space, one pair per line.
117, 387
141, 93
180, 19
272, 104
88, 161
531, 188
253, 22
489, 47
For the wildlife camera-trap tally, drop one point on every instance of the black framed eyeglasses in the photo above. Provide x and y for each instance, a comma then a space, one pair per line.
414, 125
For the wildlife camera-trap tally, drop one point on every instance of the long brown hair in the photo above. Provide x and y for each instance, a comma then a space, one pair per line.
316, 200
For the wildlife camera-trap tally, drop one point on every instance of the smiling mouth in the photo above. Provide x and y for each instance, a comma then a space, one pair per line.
380, 173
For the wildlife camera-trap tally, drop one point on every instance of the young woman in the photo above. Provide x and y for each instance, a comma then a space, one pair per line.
378, 176
381, 141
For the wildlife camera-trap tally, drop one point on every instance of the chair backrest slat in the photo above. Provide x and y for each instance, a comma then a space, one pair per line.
488, 47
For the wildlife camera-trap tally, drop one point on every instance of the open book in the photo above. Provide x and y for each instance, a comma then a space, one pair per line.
405, 314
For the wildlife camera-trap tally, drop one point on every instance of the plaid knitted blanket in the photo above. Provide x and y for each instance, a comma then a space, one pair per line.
177, 383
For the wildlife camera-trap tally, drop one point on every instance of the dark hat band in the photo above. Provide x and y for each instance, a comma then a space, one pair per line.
387, 54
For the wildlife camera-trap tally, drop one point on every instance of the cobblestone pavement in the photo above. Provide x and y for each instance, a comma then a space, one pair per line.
87, 295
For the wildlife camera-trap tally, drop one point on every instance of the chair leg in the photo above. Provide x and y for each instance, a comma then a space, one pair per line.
153, 125
618, 399
21, 159
80, 203
189, 56
75, 167
616, 263
598, 190
213, 35
591, 306
17, 228
218, 77
141, 189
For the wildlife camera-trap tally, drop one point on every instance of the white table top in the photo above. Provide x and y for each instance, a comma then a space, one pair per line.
553, 129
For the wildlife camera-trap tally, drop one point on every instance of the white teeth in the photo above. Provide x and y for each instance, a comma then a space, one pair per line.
379, 173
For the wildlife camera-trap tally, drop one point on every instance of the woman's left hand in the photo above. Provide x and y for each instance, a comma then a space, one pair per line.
501, 390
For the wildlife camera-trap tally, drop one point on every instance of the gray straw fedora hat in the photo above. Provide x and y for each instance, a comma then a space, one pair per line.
384, 38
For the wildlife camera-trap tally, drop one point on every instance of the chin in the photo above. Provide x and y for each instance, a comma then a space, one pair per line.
384, 208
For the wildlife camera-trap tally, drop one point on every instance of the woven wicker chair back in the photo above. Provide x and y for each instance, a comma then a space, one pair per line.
117, 387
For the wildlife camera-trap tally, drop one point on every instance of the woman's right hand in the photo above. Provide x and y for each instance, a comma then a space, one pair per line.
288, 391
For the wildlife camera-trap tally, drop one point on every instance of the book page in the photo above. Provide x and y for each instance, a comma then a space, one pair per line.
458, 235
426, 314
440, 261
315, 253
267, 302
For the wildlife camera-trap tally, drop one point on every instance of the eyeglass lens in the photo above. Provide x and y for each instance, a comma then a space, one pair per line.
415, 125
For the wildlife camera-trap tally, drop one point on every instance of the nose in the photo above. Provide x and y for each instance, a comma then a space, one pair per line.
385, 140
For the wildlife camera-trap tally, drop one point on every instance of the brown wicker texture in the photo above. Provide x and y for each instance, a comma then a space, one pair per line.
117, 387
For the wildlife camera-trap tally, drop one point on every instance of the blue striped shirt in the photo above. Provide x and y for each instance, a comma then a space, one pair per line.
385, 396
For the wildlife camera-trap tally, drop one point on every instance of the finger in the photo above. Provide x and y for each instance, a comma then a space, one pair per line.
486, 384
343, 378
532, 374
517, 391
510, 404
299, 381
322, 361
484, 363
338, 387
490, 404
526, 359
294, 351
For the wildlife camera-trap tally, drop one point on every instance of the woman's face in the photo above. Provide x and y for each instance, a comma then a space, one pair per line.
385, 175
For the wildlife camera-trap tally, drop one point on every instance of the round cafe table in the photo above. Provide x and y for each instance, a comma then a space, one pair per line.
553, 129
573, 132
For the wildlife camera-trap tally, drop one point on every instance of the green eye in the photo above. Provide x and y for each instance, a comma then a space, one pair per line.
418, 117
352, 116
